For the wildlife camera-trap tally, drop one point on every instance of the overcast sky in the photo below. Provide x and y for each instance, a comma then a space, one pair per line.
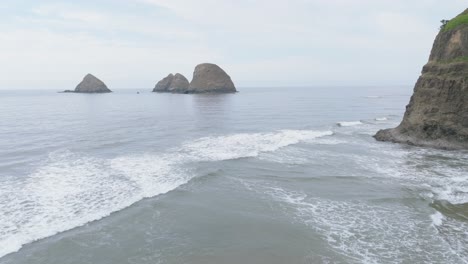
134, 43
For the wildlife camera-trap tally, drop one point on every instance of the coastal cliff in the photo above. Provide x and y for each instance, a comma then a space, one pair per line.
437, 114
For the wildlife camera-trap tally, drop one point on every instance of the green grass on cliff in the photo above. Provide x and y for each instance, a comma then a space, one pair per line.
459, 59
457, 21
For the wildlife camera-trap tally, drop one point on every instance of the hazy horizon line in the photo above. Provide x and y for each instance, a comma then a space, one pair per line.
238, 87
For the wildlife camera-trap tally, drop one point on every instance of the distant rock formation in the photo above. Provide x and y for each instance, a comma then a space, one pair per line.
210, 78
207, 78
172, 83
90, 84
180, 84
437, 114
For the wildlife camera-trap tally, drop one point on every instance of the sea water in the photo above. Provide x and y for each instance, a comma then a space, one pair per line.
266, 175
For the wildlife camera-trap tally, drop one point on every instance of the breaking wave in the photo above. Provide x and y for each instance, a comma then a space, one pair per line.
70, 190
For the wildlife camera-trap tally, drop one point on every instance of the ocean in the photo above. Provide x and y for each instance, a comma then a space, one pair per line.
266, 175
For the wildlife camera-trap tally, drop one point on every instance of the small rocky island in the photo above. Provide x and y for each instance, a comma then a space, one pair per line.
173, 84
210, 78
90, 84
437, 114
207, 78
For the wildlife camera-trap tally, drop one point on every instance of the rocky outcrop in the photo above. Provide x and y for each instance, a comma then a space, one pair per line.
210, 78
180, 84
173, 84
90, 84
437, 114
207, 78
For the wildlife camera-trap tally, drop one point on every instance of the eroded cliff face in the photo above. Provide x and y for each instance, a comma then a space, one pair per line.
437, 115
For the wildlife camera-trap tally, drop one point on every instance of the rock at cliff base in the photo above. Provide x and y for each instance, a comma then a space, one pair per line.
210, 78
437, 114
91, 84
172, 83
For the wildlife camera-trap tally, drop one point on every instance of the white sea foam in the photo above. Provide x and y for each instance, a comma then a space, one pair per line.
455, 234
363, 232
443, 174
436, 174
381, 119
350, 123
372, 233
450, 190
70, 190
247, 145
440, 175
437, 218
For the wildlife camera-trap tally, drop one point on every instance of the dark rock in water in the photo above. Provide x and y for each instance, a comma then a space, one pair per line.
210, 78
172, 83
207, 78
91, 84
437, 114
163, 85
179, 84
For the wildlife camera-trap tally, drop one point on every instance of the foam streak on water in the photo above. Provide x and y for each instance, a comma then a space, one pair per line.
381, 119
70, 190
437, 219
365, 233
446, 180
350, 123
247, 145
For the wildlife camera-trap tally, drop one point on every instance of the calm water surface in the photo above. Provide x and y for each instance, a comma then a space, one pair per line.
267, 175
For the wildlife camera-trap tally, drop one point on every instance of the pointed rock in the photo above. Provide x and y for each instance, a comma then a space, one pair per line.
163, 85
437, 114
210, 78
91, 84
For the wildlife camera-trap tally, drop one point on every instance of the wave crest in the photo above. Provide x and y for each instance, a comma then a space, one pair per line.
70, 189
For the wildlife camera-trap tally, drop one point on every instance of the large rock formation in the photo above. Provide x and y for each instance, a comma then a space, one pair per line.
437, 114
172, 83
210, 78
90, 84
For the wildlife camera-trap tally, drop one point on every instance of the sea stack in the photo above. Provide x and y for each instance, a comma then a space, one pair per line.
210, 78
173, 84
437, 114
91, 84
